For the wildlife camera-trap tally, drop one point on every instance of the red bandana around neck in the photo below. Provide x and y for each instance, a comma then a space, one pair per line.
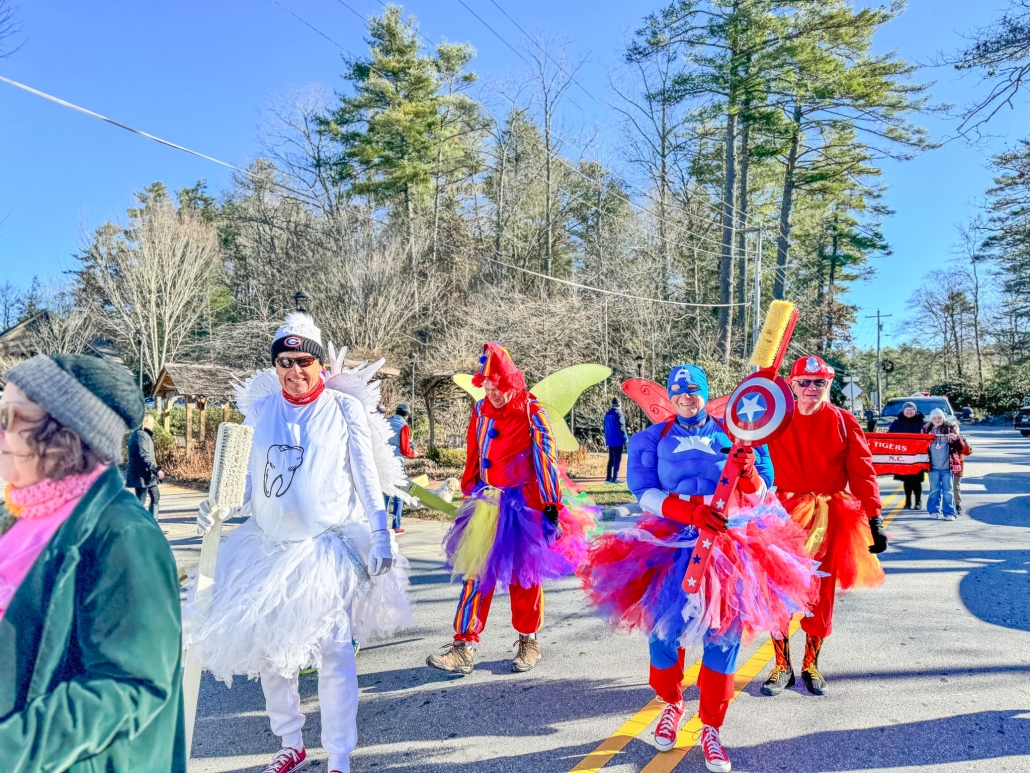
305, 399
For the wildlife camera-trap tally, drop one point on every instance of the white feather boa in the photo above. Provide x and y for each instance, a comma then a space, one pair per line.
356, 382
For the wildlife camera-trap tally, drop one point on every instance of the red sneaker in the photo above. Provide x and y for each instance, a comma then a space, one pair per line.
716, 759
398, 530
668, 726
286, 760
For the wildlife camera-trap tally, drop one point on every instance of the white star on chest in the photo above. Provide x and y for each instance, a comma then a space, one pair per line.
694, 443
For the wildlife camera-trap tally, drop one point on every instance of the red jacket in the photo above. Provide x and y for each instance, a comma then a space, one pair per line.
824, 453
513, 446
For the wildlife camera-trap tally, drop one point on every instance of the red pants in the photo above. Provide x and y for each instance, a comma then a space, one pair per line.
821, 622
527, 610
715, 687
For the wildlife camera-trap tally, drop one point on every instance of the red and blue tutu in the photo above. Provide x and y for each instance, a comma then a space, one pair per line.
760, 574
499, 539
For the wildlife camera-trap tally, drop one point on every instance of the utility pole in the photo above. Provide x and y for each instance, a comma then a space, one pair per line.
879, 329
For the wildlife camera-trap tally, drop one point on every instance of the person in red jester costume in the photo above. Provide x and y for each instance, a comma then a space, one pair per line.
826, 481
519, 524
759, 574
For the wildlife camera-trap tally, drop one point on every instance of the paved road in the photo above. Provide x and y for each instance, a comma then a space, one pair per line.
930, 673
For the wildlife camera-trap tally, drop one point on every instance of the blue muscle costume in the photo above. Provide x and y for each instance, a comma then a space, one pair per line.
635, 577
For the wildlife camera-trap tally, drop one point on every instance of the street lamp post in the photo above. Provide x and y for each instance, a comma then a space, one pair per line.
139, 344
640, 374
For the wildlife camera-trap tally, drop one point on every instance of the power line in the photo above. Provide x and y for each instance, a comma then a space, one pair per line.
113, 122
305, 199
629, 296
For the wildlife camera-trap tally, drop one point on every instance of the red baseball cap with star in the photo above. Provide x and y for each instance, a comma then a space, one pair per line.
811, 367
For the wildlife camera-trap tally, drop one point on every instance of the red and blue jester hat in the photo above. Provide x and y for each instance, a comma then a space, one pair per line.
496, 364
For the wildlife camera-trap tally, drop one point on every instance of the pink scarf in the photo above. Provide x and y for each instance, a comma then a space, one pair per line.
40, 510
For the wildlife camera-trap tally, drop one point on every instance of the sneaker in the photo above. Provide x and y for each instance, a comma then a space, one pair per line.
950, 517
456, 658
779, 680
716, 759
527, 656
668, 728
286, 760
398, 530
814, 681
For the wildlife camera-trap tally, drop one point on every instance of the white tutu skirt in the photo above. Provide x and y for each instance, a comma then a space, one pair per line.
273, 604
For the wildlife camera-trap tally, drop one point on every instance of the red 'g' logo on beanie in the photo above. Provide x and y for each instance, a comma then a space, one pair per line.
292, 341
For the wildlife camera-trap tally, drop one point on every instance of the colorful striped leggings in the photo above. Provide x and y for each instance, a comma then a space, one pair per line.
527, 610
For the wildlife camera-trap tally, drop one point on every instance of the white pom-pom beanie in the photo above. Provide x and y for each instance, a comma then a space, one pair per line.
298, 333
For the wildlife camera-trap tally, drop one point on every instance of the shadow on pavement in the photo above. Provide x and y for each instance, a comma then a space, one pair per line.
996, 585
980, 736
506, 706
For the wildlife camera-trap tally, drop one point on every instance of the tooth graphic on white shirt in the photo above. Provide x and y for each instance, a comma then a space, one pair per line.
693, 442
281, 462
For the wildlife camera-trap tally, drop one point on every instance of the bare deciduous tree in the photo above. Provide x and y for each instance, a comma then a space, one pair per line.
153, 281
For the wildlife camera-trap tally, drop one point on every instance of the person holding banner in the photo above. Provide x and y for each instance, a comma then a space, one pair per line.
826, 481
910, 421
945, 457
759, 574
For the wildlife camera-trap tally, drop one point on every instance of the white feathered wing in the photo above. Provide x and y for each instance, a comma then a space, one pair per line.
357, 382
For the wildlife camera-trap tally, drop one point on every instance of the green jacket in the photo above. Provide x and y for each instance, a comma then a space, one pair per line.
90, 678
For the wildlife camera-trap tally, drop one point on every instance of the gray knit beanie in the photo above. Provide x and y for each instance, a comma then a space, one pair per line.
97, 399
909, 404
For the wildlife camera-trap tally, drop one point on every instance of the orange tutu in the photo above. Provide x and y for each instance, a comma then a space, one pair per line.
838, 537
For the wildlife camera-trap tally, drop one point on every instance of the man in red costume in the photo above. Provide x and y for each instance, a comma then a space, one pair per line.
512, 530
826, 481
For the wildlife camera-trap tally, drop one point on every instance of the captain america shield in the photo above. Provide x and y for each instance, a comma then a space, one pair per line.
759, 409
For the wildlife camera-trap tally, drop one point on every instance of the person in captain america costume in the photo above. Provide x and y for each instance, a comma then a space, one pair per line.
826, 481
520, 523
759, 574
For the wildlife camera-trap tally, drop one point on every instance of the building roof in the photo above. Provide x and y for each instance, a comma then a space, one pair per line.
20, 340
186, 380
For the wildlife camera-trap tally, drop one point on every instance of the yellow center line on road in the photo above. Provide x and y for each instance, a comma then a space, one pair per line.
689, 734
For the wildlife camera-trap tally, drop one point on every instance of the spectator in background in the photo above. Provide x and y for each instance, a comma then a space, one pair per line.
615, 437
401, 443
958, 467
144, 475
946, 440
910, 421
90, 678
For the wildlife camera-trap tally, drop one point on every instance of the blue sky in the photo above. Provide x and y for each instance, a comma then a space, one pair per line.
200, 74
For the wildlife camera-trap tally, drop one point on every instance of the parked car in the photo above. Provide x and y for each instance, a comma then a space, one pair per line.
1021, 421
924, 404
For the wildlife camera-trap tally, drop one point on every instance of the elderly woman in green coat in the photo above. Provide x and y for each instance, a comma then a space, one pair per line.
89, 599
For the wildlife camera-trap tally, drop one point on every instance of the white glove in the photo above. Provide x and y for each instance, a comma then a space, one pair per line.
380, 555
206, 516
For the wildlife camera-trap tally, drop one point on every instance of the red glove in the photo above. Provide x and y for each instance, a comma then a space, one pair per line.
744, 460
695, 514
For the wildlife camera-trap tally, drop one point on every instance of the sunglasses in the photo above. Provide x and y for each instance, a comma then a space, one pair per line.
9, 413
286, 363
805, 383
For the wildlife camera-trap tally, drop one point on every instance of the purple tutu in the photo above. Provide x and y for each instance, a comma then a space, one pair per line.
500, 540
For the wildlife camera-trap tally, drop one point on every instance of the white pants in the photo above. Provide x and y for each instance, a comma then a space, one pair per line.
337, 696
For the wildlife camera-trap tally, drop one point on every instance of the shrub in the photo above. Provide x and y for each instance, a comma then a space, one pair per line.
447, 457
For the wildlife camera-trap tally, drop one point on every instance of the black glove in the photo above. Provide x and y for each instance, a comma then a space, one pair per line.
879, 535
551, 514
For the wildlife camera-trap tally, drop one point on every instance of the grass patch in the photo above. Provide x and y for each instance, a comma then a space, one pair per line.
608, 494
